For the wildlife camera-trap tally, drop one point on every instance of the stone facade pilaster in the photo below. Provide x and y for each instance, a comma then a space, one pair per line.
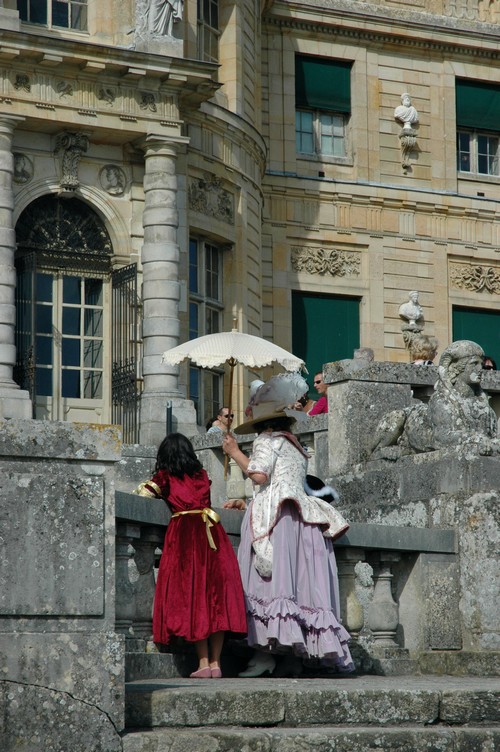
160, 295
14, 402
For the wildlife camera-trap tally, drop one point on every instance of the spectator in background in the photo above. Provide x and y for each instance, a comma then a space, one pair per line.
489, 364
321, 406
222, 422
423, 350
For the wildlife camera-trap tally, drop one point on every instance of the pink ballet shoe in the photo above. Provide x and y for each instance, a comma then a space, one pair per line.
202, 673
216, 673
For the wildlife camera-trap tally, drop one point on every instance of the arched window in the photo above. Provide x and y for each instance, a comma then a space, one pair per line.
63, 263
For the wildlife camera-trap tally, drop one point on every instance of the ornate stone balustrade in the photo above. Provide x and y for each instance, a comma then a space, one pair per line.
376, 563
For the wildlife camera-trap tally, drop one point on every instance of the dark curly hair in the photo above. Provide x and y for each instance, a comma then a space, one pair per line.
177, 456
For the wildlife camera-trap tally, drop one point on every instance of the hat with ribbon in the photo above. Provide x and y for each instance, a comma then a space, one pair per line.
273, 399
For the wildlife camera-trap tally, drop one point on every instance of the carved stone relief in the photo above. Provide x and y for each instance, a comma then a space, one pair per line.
64, 88
112, 179
475, 278
322, 261
207, 196
22, 83
148, 101
23, 168
72, 146
106, 94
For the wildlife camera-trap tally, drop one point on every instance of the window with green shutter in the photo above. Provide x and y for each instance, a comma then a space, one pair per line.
479, 325
322, 105
478, 127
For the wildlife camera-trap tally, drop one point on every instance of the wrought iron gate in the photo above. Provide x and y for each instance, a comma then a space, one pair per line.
24, 369
126, 378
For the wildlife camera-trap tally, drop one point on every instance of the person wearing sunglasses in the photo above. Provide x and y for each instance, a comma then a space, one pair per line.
222, 421
321, 406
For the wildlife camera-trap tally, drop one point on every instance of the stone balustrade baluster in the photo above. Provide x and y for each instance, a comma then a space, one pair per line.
144, 586
351, 610
125, 607
383, 612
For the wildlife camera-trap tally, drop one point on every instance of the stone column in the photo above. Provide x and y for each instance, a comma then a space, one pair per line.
14, 402
160, 295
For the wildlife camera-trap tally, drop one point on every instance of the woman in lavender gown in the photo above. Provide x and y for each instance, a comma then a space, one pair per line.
286, 555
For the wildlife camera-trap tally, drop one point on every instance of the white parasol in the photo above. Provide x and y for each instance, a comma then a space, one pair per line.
232, 348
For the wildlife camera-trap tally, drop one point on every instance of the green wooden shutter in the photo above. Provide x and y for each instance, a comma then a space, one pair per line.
324, 328
480, 326
322, 84
478, 105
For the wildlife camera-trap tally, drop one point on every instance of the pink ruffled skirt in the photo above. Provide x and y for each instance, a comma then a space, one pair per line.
296, 609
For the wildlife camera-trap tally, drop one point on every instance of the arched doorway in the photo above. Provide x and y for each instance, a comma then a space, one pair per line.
63, 308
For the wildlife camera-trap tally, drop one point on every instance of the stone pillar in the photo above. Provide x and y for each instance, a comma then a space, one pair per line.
14, 402
160, 295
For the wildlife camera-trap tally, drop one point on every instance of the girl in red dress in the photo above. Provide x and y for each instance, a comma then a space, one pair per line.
199, 595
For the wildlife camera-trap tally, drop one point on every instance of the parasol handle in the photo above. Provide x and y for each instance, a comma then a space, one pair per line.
232, 364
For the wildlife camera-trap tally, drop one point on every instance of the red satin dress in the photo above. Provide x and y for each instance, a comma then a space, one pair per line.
198, 590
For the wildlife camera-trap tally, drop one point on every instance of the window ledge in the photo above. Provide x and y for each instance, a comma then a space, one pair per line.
478, 177
347, 161
61, 31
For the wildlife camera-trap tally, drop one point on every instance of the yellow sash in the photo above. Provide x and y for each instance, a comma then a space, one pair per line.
208, 516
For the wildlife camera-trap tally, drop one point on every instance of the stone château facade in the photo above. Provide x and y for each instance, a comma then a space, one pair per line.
243, 161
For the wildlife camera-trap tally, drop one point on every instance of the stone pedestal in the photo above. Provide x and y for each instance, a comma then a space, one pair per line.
62, 662
354, 410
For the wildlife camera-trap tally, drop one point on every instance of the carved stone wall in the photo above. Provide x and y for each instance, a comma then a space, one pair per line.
475, 277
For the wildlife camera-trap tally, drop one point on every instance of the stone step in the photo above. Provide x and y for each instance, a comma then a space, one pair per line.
364, 700
315, 739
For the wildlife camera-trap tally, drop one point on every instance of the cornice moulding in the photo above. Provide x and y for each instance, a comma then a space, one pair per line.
386, 26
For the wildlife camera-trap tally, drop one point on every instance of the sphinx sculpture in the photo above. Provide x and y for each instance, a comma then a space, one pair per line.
457, 414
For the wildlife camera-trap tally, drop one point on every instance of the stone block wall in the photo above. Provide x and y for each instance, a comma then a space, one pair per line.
62, 664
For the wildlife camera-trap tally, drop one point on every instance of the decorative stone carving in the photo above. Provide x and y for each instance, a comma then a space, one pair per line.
73, 145
207, 196
106, 94
64, 88
23, 168
22, 83
112, 179
406, 114
322, 261
148, 101
457, 414
475, 278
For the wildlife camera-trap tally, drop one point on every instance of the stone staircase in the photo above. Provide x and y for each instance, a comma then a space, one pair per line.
324, 714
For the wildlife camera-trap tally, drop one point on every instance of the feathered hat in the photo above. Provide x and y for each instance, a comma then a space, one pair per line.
272, 400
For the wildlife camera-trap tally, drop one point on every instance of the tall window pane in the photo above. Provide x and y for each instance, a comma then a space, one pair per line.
205, 317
